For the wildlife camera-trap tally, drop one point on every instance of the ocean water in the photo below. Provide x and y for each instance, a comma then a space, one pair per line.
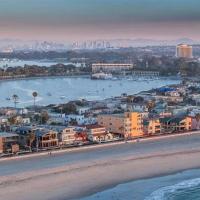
180, 186
185, 190
60, 90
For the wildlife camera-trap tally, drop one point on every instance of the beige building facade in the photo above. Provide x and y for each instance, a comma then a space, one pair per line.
129, 124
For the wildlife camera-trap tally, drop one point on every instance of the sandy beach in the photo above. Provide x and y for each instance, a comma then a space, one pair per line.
67, 176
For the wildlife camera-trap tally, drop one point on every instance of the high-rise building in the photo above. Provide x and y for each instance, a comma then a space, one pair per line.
184, 51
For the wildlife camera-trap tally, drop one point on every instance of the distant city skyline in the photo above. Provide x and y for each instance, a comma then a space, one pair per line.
79, 20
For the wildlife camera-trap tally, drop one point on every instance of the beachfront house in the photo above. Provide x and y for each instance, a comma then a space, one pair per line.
46, 138
151, 127
67, 136
9, 142
195, 123
175, 124
81, 136
26, 136
97, 133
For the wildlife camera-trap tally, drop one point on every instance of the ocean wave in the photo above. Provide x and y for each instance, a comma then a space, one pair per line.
166, 192
22, 88
38, 99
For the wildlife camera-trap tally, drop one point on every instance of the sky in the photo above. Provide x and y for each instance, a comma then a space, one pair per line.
78, 20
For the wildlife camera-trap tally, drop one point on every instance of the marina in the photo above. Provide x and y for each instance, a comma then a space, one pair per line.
56, 90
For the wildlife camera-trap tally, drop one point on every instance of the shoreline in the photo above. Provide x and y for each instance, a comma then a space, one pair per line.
139, 178
87, 75
44, 77
112, 187
115, 173
83, 178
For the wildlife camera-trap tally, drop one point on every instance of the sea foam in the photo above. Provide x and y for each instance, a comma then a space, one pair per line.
164, 192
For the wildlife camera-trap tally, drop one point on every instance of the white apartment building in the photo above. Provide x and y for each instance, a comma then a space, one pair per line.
110, 67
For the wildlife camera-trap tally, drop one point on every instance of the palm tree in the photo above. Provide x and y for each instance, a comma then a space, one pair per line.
15, 99
130, 98
31, 138
151, 105
34, 94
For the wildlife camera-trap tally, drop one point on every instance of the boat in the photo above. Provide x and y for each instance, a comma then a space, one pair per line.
129, 79
89, 92
49, 94
101, 76
8, 99
62, 97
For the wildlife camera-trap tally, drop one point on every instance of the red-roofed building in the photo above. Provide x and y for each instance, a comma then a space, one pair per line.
81, 137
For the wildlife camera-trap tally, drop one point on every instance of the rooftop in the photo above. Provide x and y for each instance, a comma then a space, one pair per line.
94, 126
172, 119
41, 132
6, 134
